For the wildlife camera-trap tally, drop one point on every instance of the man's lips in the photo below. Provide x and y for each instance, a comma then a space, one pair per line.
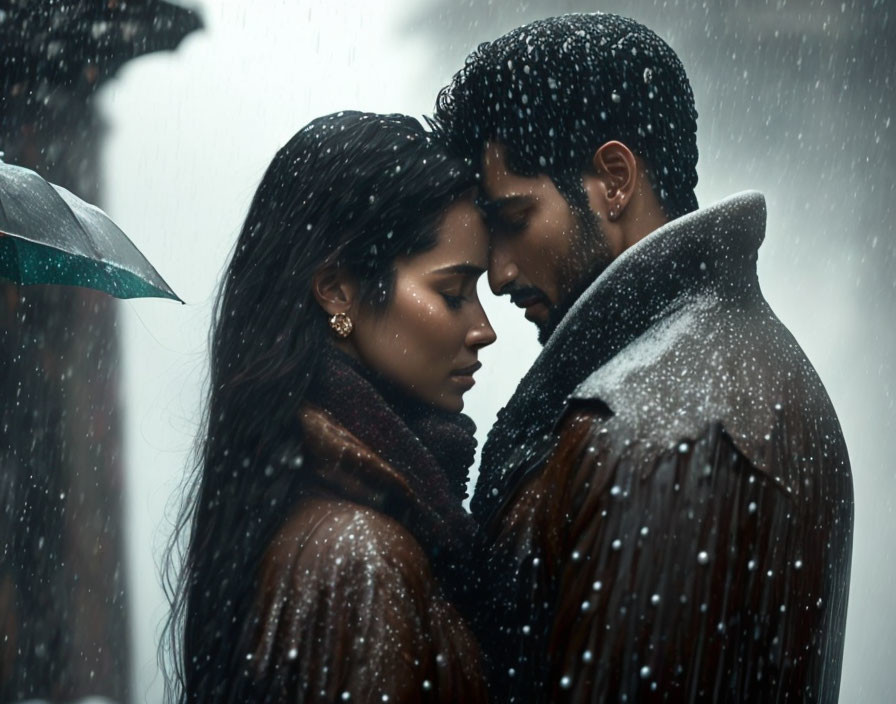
525, 299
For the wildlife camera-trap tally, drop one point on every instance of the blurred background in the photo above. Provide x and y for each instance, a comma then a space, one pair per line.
795, 97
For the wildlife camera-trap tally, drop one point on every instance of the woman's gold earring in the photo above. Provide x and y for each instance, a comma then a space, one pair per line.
342, 325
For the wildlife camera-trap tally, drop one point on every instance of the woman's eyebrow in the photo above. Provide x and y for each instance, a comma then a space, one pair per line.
463, 269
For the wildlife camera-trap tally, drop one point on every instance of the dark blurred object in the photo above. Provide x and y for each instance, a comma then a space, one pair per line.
49, 236
75, 42
63, 607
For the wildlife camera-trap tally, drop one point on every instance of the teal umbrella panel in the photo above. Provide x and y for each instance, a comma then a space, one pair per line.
50, 236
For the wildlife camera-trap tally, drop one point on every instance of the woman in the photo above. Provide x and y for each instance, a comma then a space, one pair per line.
327, 552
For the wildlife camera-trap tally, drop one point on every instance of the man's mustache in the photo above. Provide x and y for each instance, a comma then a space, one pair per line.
523, 294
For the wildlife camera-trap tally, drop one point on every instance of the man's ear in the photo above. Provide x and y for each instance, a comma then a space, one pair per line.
334, 289
617, 168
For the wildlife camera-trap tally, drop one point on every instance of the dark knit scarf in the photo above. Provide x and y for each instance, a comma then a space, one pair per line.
431, 448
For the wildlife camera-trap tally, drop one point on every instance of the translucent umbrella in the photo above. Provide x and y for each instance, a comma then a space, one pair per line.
50, 236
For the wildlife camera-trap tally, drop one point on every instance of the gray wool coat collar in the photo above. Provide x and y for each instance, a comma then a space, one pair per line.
616, 347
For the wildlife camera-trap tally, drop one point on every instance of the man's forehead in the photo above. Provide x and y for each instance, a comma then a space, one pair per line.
500, 184
494, 160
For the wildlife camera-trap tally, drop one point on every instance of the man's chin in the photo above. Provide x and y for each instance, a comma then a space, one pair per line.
551, 322
541, 315
548, 325
558, 311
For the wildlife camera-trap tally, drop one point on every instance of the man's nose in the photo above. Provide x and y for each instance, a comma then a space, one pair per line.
501, 270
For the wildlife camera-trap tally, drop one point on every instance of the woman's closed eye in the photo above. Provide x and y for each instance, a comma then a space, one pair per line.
516, 222
456, 284
454, 301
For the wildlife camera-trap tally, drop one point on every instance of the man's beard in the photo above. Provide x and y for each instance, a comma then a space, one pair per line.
588, 257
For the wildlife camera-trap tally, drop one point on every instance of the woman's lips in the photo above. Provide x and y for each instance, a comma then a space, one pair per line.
468, 371
463, 377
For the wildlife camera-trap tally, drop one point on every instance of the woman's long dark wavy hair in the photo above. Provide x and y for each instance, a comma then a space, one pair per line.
355, 190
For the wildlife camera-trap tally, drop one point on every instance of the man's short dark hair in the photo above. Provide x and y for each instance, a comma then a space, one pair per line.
555, 90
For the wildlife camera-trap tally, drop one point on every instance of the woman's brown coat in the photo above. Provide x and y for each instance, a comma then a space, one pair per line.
349, 609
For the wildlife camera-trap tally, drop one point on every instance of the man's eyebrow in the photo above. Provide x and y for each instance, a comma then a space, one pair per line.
462, 269
492, 206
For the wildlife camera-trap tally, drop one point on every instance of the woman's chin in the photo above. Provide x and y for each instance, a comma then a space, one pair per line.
453, 403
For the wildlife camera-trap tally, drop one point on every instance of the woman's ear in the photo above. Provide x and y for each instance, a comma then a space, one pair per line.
334, 289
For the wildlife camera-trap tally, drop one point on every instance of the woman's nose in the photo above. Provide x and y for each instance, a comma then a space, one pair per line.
481, 334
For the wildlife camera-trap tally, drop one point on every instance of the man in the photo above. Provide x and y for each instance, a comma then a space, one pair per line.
666, 500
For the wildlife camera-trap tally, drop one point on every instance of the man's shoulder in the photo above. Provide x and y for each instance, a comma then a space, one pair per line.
695, 333
708, 362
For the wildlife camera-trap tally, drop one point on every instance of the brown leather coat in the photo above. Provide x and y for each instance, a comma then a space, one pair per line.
349, 609
683, 533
